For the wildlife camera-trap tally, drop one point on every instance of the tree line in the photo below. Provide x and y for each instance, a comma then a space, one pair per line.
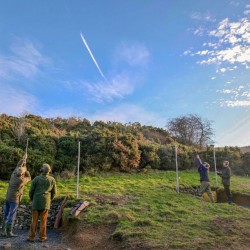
109, 146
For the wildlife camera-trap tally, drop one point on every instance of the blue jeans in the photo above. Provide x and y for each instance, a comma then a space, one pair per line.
9, 212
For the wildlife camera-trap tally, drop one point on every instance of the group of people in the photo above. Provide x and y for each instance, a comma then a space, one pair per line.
42, 191
225, 175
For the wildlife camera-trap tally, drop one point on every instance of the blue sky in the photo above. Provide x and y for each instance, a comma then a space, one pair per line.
144, 61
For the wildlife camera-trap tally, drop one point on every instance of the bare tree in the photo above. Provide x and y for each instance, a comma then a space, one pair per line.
18, 127
191, 130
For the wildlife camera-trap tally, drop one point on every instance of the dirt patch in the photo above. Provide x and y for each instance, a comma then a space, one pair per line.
83, 236
111, 199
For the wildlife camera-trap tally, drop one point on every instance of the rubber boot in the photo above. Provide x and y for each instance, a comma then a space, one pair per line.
4, 233
9, 229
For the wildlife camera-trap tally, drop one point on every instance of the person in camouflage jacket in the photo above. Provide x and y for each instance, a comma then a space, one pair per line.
42, 191
18, 179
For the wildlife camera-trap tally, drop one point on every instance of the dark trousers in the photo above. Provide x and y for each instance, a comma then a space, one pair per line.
228, 193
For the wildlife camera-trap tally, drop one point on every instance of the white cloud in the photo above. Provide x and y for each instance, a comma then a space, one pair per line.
117, 87
24, 60
232, 45
134, 55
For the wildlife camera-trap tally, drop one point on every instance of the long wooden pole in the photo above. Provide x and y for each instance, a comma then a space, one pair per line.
78, 167
177, 174
215, 169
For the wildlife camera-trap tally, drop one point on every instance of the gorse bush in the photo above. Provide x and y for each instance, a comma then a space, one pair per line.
105, 146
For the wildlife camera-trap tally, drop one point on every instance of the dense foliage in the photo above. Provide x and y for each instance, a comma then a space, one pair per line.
104, 146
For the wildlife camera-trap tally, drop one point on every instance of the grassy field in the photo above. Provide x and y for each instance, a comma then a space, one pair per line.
146, 208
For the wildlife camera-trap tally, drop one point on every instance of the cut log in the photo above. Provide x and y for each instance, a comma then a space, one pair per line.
79, 207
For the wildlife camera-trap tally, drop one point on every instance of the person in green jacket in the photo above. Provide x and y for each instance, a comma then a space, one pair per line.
225, 175
42, 191
18, 179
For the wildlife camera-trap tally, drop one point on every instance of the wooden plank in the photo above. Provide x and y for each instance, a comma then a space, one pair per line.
60, 212
79, 207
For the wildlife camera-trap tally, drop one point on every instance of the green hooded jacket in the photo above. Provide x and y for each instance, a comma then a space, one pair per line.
42, 191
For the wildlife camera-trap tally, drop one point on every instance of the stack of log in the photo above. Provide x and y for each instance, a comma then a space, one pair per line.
23, 217
24, 214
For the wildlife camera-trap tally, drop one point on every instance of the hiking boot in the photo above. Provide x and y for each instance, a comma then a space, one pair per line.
43, 240
9, 229
30, 240
4, 233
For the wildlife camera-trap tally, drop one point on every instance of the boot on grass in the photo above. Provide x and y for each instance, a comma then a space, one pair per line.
4, 233
9, 229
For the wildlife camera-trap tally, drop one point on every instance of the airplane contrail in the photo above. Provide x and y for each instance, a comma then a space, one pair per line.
96, 64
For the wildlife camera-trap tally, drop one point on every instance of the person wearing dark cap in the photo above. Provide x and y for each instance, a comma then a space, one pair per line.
42, 191
18, 179
203, 170
225, 175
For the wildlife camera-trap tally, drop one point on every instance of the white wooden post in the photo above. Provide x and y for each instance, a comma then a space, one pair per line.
78, 166
215, 168
177, 174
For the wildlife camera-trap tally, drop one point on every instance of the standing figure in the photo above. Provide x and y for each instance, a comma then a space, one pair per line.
225, 175
42, 191
203, 169
18, 179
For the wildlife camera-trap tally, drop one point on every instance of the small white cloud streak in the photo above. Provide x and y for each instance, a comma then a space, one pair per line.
236, 103
25, 61
117, 88
133, 55
202, 17
92, 56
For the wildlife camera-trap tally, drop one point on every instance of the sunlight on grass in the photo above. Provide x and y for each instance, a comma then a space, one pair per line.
147, 207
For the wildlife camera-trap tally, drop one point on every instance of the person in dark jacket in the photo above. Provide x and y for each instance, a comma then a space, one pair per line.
42, 191
225, 175
203, 170
18, 179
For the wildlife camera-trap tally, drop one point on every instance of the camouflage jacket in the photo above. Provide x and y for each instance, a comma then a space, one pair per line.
16, 186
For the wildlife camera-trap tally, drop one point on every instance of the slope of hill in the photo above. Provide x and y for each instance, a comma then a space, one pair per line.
143, 211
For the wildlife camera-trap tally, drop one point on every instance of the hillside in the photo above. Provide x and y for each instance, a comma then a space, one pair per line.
143, 211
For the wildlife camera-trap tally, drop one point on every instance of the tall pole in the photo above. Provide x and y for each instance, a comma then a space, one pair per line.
78, 166
177, 174
215, 168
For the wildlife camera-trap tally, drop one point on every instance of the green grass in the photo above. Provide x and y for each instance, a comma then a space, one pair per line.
147, 208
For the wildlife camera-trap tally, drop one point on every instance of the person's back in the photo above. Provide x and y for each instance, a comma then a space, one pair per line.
18, 179
16, 186
203, 171
42, 191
